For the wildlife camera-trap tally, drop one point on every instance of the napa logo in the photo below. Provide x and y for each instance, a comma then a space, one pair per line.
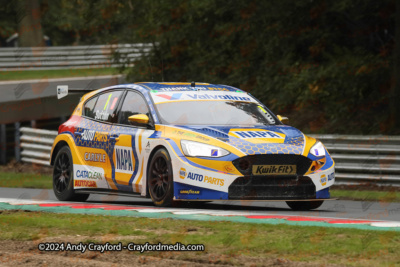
182, 173
123, 159
331, 176
323, 180
256, 134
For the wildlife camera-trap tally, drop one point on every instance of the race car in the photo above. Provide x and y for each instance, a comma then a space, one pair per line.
176, 142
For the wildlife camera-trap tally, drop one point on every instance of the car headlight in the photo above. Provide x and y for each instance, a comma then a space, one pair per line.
196, 149
318, 150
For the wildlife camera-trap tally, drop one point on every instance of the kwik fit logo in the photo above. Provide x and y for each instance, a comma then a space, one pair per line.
274, 169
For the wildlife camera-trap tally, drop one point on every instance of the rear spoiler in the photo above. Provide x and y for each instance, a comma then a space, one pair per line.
62, 90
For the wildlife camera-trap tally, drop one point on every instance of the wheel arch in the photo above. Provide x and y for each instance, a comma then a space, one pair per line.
57, 148
158, 147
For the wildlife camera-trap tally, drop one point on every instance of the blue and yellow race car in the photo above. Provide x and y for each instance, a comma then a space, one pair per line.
186, 142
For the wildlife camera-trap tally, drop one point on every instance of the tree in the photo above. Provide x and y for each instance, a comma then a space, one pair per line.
326, 64
29, 25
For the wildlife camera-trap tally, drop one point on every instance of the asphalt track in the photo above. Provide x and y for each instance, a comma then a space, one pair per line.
339, 209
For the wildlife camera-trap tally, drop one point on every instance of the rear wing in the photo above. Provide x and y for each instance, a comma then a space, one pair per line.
63, 90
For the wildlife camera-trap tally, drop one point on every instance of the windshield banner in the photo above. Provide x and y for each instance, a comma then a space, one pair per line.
162, 97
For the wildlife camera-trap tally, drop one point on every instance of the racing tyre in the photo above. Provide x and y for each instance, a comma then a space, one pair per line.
304, 205
160, 179
63, 177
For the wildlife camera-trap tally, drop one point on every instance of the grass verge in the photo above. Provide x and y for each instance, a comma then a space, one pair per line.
61, 73
370, 195
225, 242
25, 180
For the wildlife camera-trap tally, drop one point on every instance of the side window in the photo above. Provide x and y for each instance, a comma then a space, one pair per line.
88, 109
133, 104
106, 105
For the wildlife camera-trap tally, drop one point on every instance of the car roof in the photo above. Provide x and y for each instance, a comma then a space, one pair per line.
155, 87
182, 86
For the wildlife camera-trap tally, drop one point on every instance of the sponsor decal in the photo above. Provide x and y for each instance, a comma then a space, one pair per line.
182, 173
214, 181
189, 192
323, 179
204, 96
256, 134
89, 174
92, 135
101, 115
123, 159
95, 157
214, 152
201, 178
147, 148
195, 176
229, 168
83, 183
274, 169
331, 176
191, 135
175, 96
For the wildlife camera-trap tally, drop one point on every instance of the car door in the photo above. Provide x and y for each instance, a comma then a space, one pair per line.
94, 141
131, 148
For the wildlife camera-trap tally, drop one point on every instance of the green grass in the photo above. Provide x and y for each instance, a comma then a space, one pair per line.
225, 241
384, 196
48, 74
26, 180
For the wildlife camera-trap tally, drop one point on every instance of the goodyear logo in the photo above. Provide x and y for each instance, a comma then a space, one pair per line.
123, 159
256, 134
274, 169
323, 179
182, 173
82, 183
189, 192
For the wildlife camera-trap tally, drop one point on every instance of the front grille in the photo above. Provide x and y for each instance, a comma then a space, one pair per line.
272, 188
302, 163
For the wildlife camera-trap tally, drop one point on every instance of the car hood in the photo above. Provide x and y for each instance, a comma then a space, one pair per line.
273, 139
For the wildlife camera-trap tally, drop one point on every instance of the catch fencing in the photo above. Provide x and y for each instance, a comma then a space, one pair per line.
359, 159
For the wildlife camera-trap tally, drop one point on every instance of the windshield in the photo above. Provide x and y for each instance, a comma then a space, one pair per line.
232, 113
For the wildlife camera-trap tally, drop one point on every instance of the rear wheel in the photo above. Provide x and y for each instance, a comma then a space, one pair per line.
304, 205
160, 179
63, 177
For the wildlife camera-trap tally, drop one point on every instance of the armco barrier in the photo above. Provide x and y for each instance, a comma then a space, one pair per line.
359, 159
36, 145
67, 57
364, 159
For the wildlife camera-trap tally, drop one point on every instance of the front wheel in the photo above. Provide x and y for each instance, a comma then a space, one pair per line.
304, 205
160, 179
63, 177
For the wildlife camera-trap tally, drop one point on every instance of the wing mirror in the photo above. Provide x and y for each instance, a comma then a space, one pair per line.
139, 118
284, 120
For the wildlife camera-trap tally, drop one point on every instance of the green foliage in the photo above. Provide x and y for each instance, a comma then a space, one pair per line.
326, 65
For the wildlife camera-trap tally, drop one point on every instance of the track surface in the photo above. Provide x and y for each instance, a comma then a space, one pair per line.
362, 210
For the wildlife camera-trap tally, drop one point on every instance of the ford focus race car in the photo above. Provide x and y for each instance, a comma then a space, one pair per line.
186, 142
